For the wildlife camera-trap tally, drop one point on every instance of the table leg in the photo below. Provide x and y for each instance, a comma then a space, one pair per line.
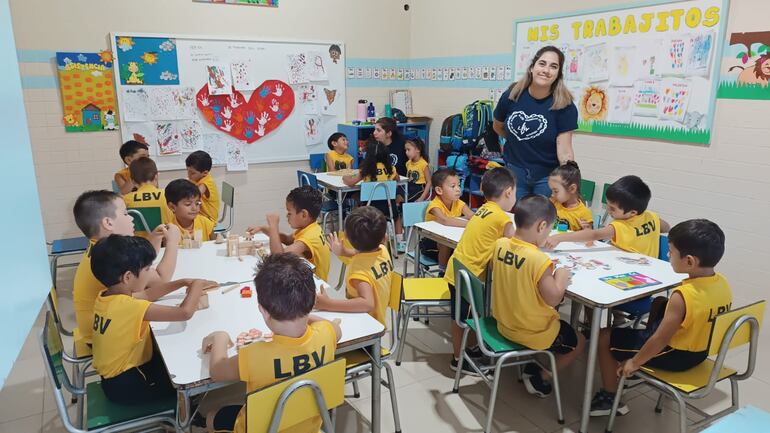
183, 415
376, 379
417, 267
340, 225
593, 346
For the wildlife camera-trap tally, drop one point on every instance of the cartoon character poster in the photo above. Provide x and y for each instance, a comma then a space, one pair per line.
147, 61
87, 90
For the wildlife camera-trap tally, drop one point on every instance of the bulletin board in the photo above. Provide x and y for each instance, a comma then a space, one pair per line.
644, 71
241, 100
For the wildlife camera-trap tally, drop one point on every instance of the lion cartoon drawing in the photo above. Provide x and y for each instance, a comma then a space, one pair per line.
759, 74
593, 105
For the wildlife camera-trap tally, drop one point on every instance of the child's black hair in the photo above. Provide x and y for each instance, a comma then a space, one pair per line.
532, 209
113, 256
306, 198
181, 189
143, 170
629, 193
375, 152
91, 208
199, 160
130, 147
439, 176
285, 286
334, 137
420, 145
497, 180
365, 228
699, 238
569, 172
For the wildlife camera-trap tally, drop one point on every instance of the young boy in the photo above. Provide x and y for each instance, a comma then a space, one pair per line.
99, 214
198, 167
337, 157
285, 293
488, 224
129, 151
678, 330
370, 269
303, 205
144, 173
184, 201
446, 208
122, 343
526, 289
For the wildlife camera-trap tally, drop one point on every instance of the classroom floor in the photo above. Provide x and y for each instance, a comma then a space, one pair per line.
424, 382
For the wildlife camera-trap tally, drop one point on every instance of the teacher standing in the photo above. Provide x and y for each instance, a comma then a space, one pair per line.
536, 116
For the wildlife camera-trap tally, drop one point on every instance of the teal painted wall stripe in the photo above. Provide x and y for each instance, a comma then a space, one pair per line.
39, 82
35, 56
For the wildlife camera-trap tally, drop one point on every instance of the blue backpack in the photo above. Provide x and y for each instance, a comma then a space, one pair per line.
477, 116
451, 139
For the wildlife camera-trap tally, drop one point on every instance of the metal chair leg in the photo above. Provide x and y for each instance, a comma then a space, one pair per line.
393, 399
456, 387
402, 338
356, 392
556, 389
659, 404
493, 396
616, 404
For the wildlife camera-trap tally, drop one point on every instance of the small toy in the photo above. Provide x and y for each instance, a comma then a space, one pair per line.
237, 247
246, 292
192, 243
634, 260
251, 336
220, 239
203, 302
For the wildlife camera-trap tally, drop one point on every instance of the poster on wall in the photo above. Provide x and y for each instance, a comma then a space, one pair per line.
644, 71
745, 68
268, 3
147, 61
87, 90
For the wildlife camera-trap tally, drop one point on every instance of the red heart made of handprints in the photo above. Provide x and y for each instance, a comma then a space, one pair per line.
270, 104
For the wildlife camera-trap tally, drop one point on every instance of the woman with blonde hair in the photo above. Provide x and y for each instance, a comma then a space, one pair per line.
536, 116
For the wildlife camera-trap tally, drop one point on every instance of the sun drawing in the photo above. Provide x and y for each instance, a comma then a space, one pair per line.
105, 56
125, 43
150, 58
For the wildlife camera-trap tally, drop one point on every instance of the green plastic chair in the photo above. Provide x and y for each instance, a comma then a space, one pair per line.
228, 201
504, 352
101, 414
587, 188
145, 218
603, 219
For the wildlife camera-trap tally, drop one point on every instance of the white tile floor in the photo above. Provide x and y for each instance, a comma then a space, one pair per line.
424, 384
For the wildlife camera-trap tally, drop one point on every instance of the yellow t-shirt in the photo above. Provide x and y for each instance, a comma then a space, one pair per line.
85, 289
125, 174
263, 363
340, 161
205, 225
704, 298
121, 336
521, 313
437, 203
210, 204
382, 174
375, 268
639, 234
148, 195
313, 237
415, 171
476, 244
573, 215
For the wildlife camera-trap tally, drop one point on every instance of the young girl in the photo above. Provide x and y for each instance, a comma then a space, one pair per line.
376, 167
564, 182
417, 170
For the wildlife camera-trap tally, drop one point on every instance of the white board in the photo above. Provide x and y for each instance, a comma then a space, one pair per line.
245, 64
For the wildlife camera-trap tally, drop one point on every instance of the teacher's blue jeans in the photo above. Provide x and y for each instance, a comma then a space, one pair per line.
527, 184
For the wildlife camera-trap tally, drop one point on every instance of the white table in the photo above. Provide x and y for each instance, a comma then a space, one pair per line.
335, 183
180, 342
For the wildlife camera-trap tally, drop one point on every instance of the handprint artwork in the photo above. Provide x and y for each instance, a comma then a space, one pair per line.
270, 104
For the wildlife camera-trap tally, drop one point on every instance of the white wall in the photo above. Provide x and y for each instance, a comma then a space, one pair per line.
726, 182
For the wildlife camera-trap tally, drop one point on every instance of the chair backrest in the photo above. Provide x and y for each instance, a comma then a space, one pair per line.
145, 218
587, 188
228, 194
663, 247
372, 191
414, 212
53, 350
305, 178
318, 162
296, 399
604, 193
116, 188
725, 321
474, 294
396, 286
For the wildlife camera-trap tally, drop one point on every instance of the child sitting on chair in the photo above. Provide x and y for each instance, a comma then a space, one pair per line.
303, 205
678, 329
446, 208
338, 158
198, 172
285, 293
571, 211
184, 201
129, 151
144, 173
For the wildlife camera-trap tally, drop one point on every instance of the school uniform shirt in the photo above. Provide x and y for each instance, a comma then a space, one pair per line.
521, 313
148, 195
210, 204
340, 162
121, 336
638, 234
125, 174
437, 203
397, 150
375, 268
572, 215
415, 171
382, 174
85, 289
313, 238
263, 363
200, 223
704, 298
476, 244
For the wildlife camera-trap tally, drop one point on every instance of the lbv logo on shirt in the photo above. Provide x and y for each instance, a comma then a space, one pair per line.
147, 196
510, 258
721, 309
101, 325
645, 229
299, 364
385, 268
323, 241
483, 213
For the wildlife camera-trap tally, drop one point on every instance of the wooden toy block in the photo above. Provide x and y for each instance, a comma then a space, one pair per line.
246, 292
203, 302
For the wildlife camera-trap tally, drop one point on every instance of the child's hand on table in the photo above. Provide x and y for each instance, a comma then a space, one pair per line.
321, 299
252, 230
551, 243
216, 338
563, 277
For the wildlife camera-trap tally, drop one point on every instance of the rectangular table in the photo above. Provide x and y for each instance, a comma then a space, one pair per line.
335, 183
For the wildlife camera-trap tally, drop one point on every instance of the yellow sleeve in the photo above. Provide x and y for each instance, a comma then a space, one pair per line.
361, 276
243, 365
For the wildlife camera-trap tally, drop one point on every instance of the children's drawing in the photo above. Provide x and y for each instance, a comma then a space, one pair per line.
241, 72
693, 119
190, 132
523, 58
183, 102
136, 106
675, 61
148, 61
312, 126
335, 52
147, 130
236, 160
216, 146
620, 104
167, 139
88, 98
219, 80
649, 58
296, 68
596, 64
327, 101
508, 73
622, 63
674, 96
630, 280
699, 60
593, 104
646, 98
573, 69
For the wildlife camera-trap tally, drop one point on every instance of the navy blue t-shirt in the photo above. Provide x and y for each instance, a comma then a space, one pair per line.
532, 128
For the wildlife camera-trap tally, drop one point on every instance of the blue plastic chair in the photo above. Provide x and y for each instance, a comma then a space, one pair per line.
385, 190
317, 162
228, 201
328, 207
65, 247
414, 213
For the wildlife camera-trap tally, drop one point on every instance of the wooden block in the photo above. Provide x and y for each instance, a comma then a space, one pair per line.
203, 302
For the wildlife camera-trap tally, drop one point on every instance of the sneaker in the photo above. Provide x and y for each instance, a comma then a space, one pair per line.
601, 404
534, 383
467, 369
401, 246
